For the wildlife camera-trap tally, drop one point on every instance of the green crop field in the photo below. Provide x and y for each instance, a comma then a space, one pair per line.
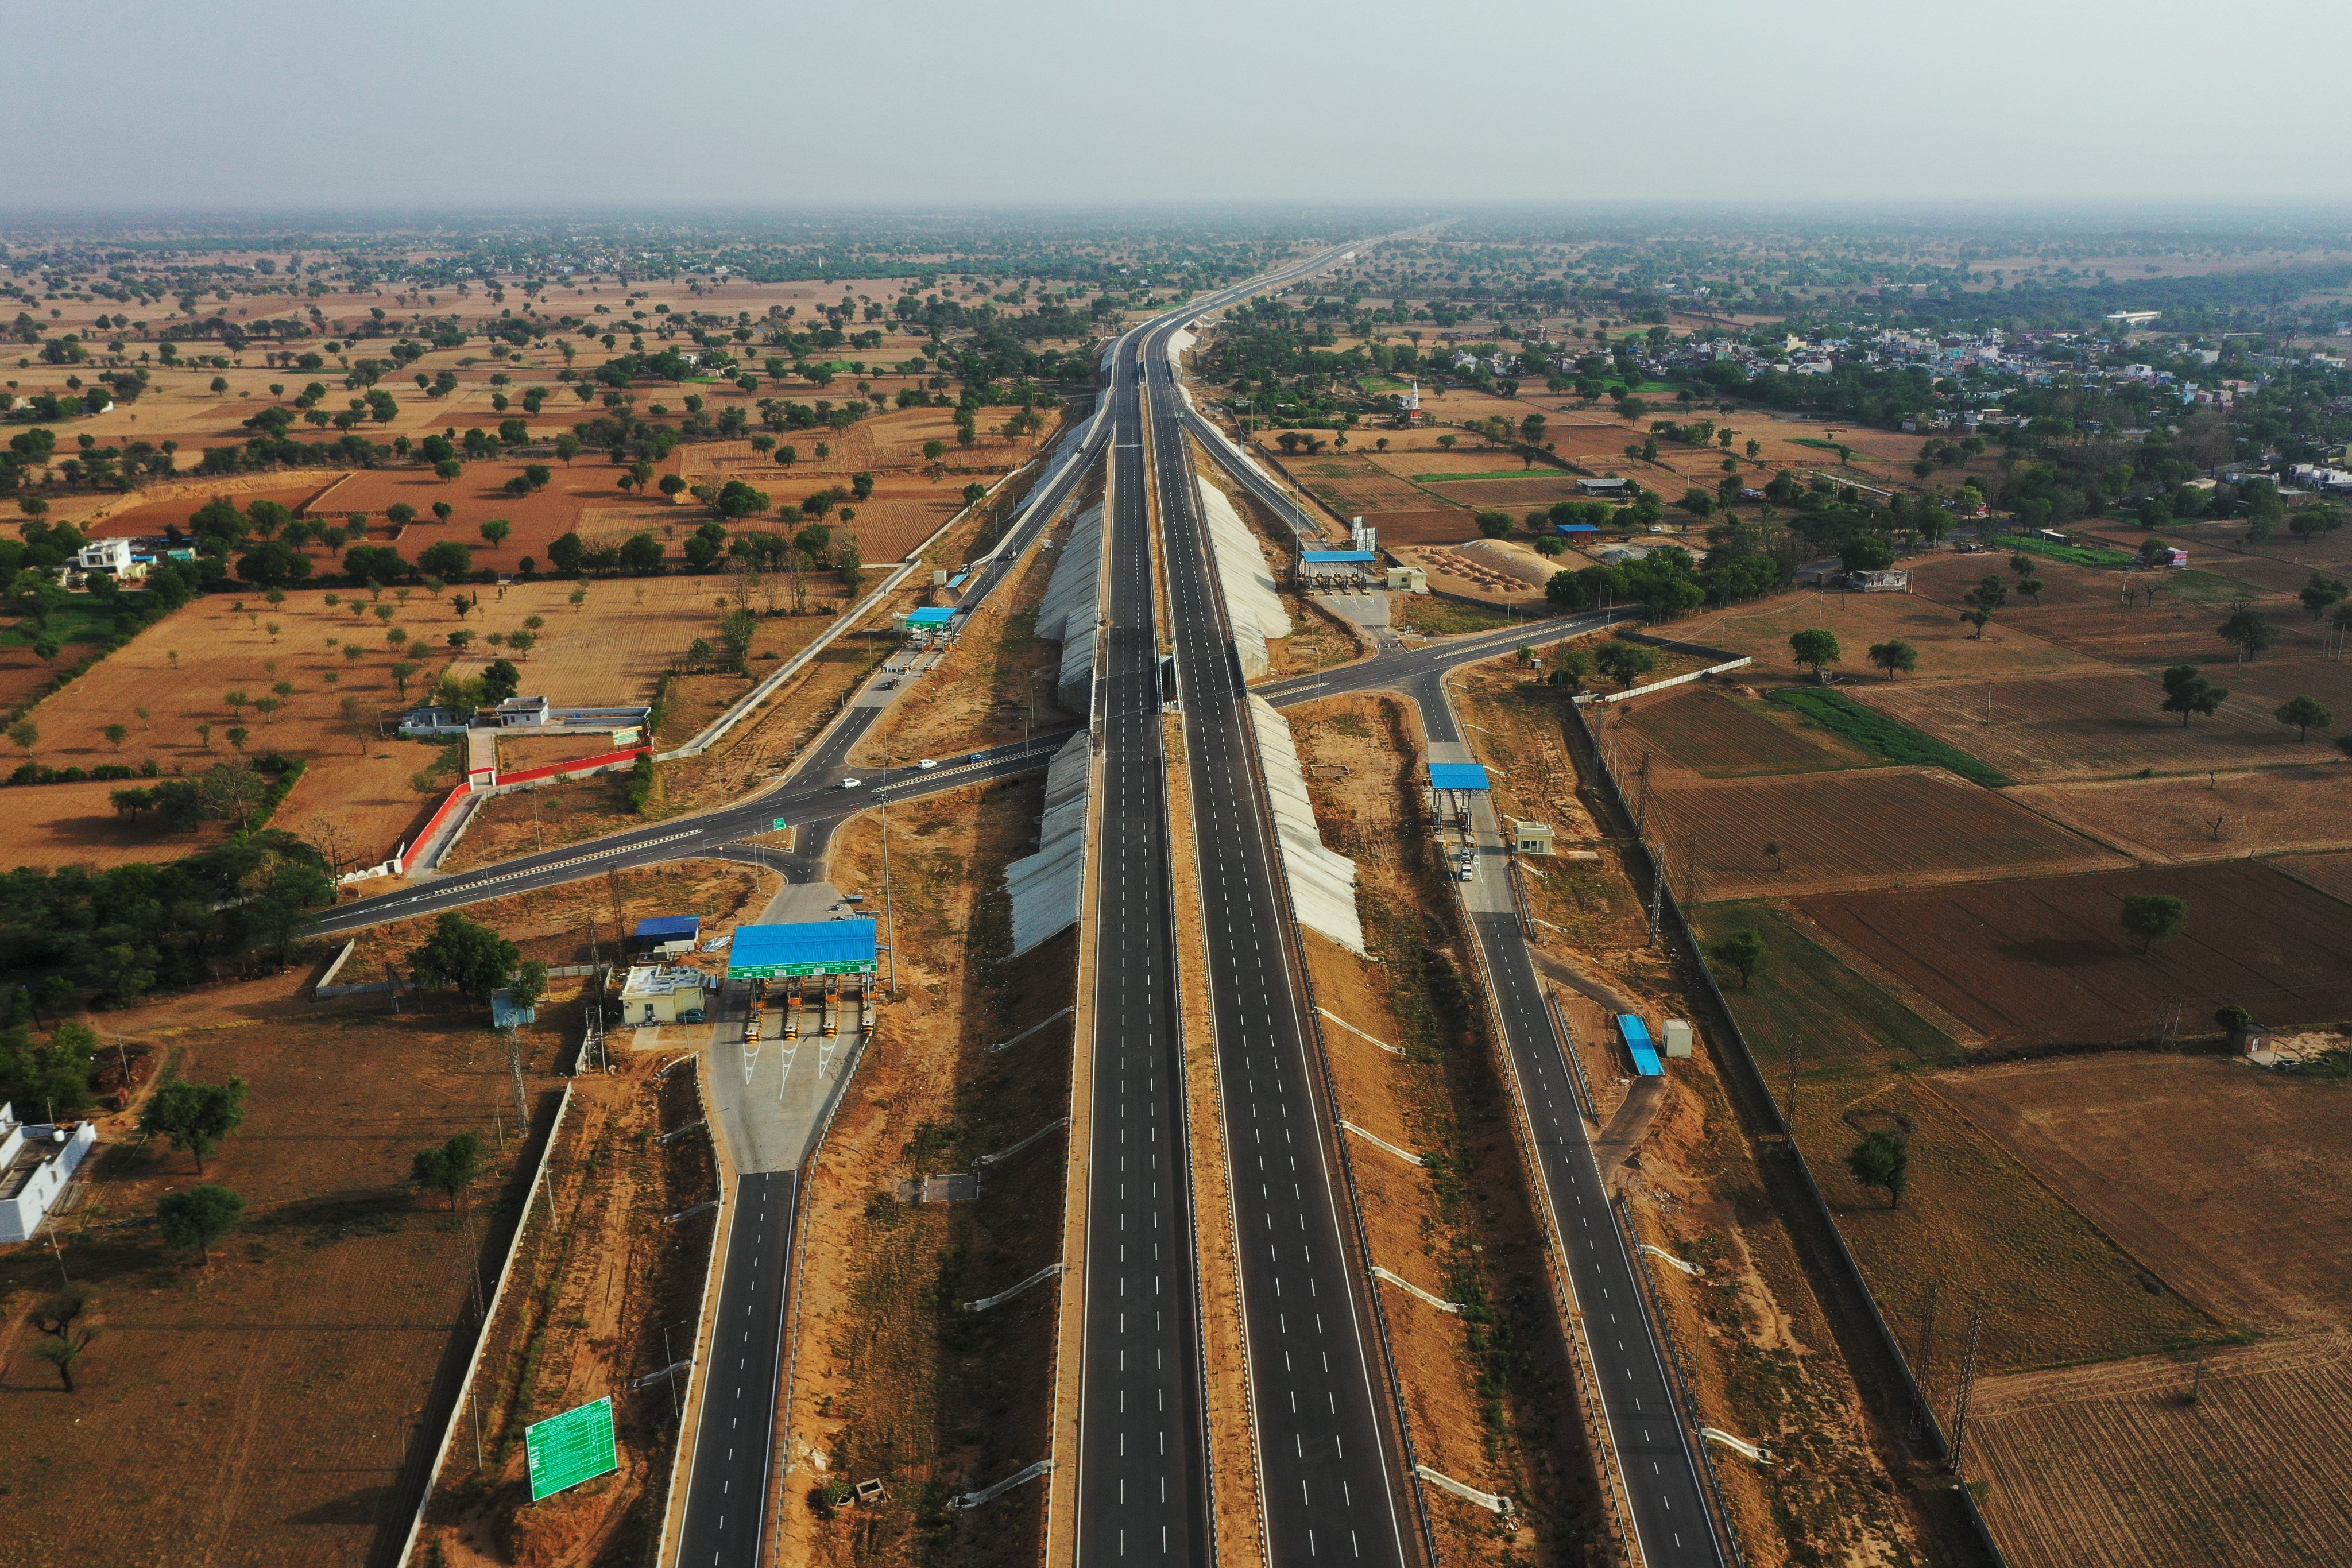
80, 620
1883, 737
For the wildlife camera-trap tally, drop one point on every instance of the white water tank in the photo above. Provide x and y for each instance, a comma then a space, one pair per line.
1678, 1038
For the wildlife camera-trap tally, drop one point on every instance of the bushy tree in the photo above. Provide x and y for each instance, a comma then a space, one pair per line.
449, 1168
462, 956
199, 1215
2152, 917
1883, 1159
196, 1117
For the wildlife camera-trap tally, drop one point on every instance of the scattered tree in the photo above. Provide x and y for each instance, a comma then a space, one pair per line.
463, 956
2186, 692
1894, 657
2306, 714
1741, 952
1883, 1159
448, 1169
196, 1117
2249, 630
1815, 648
199, 1215
2152, 917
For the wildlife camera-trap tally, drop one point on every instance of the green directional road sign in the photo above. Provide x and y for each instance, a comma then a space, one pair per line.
574, 1446
780, 825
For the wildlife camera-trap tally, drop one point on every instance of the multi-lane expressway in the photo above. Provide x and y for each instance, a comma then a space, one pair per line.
1329, 1476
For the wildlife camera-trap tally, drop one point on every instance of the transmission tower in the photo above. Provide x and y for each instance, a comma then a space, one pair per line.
514, 1065
2168, 1024
1657, 893
1927, 1361
1968, 1395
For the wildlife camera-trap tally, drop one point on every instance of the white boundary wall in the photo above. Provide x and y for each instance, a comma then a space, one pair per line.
1072, 605
1048, 887
1251, 605
1322, 881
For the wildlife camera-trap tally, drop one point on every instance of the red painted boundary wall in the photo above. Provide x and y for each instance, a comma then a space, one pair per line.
577, 765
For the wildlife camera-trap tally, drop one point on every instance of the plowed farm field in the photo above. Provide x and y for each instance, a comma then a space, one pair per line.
1723, 736
1876, 828
2088, 725
2045, 962
2113, 1464
2209, 816
2221, 1178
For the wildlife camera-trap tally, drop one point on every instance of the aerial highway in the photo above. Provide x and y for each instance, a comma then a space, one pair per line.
1329, 1476
1142, 1484
1654, 1444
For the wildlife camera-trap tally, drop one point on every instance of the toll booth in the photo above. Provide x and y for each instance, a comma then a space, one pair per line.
1454, 788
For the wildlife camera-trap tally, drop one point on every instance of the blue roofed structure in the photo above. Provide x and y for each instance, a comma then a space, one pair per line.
1575, 529
1337, 556
814, 948
1466, 776
930, 615
1639, 1044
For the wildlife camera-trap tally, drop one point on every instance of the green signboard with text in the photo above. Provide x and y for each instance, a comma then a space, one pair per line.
798, 971
574, 1446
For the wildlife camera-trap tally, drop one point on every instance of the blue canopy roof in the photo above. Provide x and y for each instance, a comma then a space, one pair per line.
930, 615
813, 947
1638, 1042
1575, 529
1335, 557
670, 925
1457, 775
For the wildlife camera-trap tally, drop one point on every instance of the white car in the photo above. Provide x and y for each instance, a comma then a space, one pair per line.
851, 783
927, 763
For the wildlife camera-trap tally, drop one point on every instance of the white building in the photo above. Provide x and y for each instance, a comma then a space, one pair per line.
105, 555
36, 1163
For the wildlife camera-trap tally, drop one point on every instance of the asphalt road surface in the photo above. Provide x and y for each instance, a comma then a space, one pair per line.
1328, 1478
726, 1500
1142, 1489
1654, 1443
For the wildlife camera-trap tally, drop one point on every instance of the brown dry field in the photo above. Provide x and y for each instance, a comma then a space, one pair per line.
1862, 829
2084, 608
2220, 1179
1947, 651
2113, 1464
2088, 725
2330, 873
54, 825
884, 1385
2044, 962
2218, 1176
273, 1404
2214, 816
613, 648
180, 670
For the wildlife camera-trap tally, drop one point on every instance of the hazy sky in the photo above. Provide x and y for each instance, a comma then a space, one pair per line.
255, 104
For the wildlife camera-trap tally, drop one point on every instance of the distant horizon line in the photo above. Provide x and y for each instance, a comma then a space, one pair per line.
2102, 206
